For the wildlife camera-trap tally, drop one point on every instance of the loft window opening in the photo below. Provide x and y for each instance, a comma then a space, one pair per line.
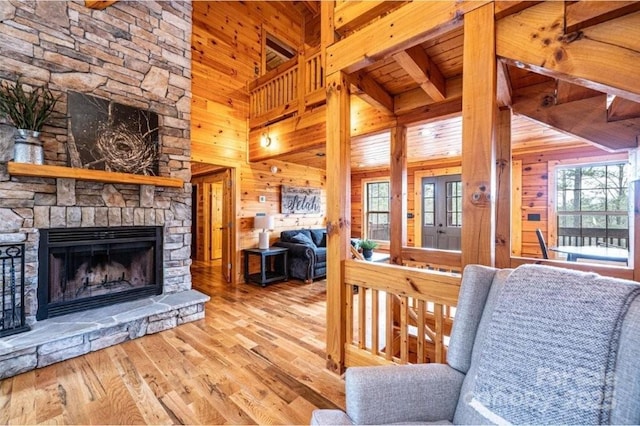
276, 52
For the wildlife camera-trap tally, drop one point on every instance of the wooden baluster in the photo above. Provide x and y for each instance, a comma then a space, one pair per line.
437, 310
404, 330
349, 316
285, 88
375, 322
388, 353
421, 352
362, 318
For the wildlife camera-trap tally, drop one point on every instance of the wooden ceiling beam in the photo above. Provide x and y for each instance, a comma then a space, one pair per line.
369, 90
503, 85
623, 109
99, 4
425, 114
506, 8
584, 14
585, 118
604, 57
417, 98
423, 71
569, 92
401, 29
312, 6
350, 15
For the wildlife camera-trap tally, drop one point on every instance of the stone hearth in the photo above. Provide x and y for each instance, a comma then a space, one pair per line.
68, 336
136, 54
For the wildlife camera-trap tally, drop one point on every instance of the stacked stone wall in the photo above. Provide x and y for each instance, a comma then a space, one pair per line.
136, 53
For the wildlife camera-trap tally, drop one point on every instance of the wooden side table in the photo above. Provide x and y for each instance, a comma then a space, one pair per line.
274, 265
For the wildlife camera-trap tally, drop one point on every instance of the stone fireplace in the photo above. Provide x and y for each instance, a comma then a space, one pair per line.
136, 54
85, 268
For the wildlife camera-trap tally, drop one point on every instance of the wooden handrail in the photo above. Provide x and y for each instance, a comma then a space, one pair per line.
274, 73
292, 87
416, 319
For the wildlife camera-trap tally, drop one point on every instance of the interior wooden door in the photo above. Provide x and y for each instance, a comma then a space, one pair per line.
214, 210
217, 203
228, 215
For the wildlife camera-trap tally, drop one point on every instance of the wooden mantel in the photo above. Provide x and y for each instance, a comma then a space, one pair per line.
99, 4
46, 171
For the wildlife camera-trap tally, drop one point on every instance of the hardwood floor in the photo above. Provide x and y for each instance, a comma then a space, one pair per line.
257, 358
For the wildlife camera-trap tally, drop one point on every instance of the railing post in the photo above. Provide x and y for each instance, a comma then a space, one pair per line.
302, 80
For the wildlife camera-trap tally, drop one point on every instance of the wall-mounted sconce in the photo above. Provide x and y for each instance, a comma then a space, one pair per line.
274, 169
265, 140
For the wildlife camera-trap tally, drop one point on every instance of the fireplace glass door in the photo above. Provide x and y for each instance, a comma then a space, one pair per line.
86, 269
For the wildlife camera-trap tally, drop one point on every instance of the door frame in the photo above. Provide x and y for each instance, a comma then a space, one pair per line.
417, 198
226, 175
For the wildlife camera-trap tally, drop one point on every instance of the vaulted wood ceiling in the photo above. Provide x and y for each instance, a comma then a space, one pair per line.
409, 85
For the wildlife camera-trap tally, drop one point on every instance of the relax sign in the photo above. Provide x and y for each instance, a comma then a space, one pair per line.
300, 200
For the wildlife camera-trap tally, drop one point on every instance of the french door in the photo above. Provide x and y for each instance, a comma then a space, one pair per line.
441, 212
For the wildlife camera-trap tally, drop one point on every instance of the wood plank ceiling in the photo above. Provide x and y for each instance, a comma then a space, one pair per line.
547, 112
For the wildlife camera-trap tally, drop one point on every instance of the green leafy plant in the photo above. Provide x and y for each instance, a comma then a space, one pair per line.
27, 110
368, 244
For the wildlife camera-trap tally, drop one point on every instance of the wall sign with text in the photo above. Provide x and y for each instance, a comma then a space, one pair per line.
297, 199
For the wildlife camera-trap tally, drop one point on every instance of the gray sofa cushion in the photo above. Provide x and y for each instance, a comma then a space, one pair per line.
468, 313
303, 239
287, 235
465, 414
319, 237
626, 394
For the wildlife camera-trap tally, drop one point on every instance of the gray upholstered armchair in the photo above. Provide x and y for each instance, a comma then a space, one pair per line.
535, 345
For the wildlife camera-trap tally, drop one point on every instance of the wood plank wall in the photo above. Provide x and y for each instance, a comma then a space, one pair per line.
226, 55
534, 191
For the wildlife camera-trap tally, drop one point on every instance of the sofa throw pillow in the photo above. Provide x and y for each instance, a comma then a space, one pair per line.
303, 239
318, 236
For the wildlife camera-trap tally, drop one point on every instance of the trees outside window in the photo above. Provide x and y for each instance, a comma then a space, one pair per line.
593, 205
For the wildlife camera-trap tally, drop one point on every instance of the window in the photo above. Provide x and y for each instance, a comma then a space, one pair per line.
454, 203
276, 52
376, 224
593, 205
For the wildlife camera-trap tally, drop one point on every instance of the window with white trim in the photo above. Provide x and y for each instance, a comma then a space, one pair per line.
376, 210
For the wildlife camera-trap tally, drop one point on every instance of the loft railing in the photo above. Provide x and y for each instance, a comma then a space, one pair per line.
288, 89
397, 314
12, 315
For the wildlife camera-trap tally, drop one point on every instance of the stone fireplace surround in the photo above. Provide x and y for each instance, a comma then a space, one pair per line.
136, 54
68, 203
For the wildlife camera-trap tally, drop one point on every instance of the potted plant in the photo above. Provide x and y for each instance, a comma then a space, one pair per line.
28, 110
367, 247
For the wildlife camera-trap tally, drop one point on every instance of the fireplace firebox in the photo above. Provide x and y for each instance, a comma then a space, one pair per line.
85, 268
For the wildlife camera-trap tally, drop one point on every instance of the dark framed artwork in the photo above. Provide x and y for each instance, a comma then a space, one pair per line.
296, 199
105, 135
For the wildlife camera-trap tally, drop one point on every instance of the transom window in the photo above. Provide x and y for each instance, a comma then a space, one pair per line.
377, 210
593, 205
